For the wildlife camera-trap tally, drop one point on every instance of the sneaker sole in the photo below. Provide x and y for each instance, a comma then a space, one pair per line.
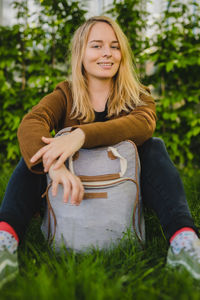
9, 278
176, 263
9, 263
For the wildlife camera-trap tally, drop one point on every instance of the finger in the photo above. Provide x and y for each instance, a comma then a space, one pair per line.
75, 191
47, 163
44, 161
66, 190
81, 195
38, 154
47, 140
49, 157
60, 161
54, 188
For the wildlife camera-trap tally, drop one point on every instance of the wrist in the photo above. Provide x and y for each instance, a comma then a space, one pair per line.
51, 167
53, 171
81, 135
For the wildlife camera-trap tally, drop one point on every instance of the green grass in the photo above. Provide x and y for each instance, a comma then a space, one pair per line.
127, 272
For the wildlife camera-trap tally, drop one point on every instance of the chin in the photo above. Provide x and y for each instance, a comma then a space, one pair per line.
105, 76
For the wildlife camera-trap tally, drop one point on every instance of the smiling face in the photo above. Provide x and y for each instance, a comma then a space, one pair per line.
102, 54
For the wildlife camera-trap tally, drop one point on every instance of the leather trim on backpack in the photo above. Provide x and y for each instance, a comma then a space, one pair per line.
137, 202
99, 177
111, 155
95, 195
50, 210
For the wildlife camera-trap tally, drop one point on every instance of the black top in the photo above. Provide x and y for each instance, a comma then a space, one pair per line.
100, 116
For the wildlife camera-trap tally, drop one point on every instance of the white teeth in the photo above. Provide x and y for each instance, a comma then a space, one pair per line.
105, 64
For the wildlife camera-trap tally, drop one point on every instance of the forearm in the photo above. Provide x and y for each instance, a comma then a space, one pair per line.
30, 142
59, 148
40, 121
137, 128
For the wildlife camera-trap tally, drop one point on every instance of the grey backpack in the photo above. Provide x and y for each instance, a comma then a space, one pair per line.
111, 206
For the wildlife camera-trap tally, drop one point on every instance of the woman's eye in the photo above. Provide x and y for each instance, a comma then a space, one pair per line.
96, 46
115, 47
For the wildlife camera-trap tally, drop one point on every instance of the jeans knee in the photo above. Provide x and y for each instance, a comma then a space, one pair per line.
155, 148
156, 142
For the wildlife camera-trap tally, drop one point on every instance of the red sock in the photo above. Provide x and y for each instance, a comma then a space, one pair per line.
179, 231
6, 227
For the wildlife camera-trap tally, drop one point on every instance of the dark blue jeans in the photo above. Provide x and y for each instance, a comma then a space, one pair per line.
161, 186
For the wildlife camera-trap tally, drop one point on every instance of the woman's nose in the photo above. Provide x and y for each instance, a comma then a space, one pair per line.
107, 51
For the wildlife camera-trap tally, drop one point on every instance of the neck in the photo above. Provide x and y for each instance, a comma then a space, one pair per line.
98, 92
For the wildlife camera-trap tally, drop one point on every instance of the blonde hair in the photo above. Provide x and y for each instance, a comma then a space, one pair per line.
125, 94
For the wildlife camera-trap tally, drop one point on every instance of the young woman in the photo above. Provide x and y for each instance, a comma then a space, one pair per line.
105, 103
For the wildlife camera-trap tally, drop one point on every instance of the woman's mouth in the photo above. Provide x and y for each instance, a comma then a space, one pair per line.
105, 65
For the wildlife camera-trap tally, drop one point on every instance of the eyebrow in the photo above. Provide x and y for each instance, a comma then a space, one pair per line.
100, 41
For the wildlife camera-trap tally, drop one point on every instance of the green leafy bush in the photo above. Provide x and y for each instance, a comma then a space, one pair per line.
34, 58
175, 53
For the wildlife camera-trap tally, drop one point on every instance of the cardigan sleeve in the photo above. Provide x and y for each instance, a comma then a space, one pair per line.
40, 121
137, 126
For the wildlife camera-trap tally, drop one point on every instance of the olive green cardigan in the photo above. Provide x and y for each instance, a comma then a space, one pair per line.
53, 112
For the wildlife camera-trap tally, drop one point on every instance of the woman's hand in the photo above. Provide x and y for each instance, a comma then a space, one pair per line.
72, 185
59, 148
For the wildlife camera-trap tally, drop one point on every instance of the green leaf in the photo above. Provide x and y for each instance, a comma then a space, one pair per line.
169, 66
